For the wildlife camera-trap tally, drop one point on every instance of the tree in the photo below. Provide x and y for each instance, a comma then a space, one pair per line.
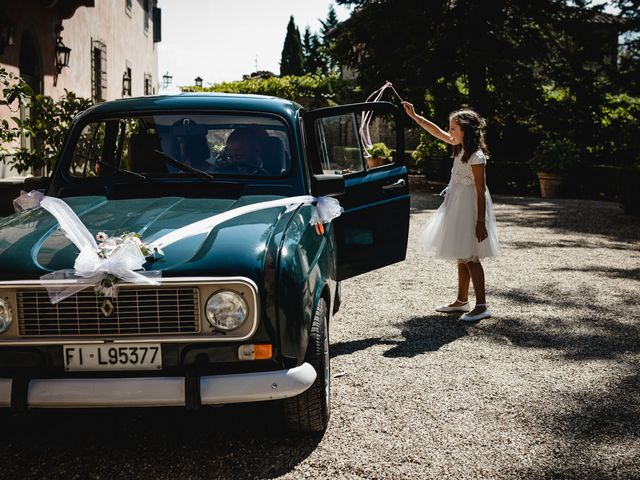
327, 43
630, 54
292, 61
499, 57
313, 59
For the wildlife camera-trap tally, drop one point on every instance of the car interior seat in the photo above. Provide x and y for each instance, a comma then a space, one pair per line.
143, 157
274, 157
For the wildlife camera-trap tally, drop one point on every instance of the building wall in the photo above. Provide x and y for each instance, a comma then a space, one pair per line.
120, 28
127, 43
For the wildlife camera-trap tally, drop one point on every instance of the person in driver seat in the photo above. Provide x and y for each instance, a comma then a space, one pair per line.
242, 152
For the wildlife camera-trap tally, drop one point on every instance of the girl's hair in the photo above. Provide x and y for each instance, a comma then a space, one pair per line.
472, 126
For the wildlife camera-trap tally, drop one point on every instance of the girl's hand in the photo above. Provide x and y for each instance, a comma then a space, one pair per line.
481, 231
408, 107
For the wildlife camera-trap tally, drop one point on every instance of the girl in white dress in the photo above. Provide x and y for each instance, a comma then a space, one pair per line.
464, 227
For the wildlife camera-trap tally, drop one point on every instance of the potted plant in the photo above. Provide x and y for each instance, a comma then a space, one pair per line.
380, 155
552, 159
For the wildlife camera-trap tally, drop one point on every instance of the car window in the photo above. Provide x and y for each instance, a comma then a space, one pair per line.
178, 144
379, 130
350, 143
339, 144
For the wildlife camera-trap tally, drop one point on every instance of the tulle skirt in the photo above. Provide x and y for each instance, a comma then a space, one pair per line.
451, 232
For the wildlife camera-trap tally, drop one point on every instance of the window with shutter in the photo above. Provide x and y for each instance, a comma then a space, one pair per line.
98, 71
145, 7
148, 84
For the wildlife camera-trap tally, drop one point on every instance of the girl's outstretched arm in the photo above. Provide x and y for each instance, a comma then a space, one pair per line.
479, 180
429, 126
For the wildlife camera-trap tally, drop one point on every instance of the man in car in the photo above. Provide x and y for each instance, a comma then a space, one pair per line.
242, 153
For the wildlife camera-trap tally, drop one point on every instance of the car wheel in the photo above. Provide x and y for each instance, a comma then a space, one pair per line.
310, 411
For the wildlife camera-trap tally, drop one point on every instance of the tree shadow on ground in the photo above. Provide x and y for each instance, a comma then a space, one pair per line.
579, 326
421, 335
625, 273
572, 216
599, 417
423, 201
235, 441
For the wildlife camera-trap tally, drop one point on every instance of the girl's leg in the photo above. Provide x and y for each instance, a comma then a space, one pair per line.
477, 277
463, 285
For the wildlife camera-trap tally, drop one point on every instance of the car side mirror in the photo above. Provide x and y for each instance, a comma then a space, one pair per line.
327, 185
36, 183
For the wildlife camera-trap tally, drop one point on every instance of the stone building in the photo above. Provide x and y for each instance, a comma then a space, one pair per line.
99, 49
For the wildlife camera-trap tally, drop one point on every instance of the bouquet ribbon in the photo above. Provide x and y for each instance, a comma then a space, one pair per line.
126, 261
365, 135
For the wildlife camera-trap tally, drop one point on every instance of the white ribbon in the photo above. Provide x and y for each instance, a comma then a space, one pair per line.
365, 135
327, 208
126, 261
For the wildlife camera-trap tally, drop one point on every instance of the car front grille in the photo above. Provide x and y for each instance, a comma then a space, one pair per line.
136, 311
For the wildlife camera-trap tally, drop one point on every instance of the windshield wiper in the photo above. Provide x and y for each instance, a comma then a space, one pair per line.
118, 169
183, 166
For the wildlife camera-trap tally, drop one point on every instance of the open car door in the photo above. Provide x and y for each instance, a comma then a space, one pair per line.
373, 230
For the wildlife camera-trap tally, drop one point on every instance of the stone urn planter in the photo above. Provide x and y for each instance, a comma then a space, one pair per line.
553, 158
550, 184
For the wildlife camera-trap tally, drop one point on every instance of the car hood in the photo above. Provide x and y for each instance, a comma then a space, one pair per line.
31, 244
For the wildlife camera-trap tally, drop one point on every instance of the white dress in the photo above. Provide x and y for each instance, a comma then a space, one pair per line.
451, 232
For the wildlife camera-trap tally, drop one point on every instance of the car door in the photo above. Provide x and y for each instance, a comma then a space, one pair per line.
374, 228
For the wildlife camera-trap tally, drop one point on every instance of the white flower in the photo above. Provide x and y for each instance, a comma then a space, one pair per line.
101, 236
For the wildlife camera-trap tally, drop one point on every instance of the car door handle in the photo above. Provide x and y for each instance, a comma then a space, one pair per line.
399, 184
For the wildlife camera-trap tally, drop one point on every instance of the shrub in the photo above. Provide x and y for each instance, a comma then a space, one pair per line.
428, 148
330, 88
555, 155
47, 124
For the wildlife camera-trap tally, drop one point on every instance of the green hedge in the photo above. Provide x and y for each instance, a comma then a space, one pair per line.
328, 88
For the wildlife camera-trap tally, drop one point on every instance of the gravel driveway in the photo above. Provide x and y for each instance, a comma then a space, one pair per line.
548, 388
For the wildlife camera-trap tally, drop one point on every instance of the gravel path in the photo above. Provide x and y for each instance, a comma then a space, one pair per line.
548, 388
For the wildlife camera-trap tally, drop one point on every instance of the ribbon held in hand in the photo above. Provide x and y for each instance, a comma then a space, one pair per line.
365, 136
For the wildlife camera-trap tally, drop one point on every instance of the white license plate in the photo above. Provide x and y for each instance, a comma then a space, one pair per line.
144, 356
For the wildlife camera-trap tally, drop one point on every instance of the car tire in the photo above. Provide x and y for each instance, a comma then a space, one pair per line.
310, 411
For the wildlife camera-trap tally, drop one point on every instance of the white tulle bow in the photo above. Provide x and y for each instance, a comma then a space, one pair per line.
90, 269
327, 208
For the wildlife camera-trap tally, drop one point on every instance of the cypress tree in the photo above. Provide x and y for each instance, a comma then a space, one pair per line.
292, 62
326, 47
313, 58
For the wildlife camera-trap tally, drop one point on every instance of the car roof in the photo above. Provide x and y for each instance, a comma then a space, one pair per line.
197, 101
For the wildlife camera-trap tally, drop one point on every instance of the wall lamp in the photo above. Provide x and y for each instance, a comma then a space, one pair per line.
7, 31
62, 53
166, 80
126, 82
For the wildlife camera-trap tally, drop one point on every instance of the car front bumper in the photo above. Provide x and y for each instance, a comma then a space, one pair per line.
160, 391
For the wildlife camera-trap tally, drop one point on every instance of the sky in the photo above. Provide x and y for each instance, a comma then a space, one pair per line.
221, 40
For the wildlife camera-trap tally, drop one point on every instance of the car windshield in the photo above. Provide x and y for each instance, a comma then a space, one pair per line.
181, 144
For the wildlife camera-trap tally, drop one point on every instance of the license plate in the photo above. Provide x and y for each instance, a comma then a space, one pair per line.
146, 356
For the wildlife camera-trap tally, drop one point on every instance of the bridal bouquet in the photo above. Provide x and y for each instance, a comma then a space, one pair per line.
129, 244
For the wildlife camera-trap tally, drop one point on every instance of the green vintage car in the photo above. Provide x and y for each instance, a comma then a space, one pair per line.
242, 310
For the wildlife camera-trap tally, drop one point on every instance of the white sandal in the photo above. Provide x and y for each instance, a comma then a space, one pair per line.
478, 316
459, 308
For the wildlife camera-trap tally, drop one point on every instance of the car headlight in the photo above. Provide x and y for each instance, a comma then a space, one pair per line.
5, 315
226, 310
